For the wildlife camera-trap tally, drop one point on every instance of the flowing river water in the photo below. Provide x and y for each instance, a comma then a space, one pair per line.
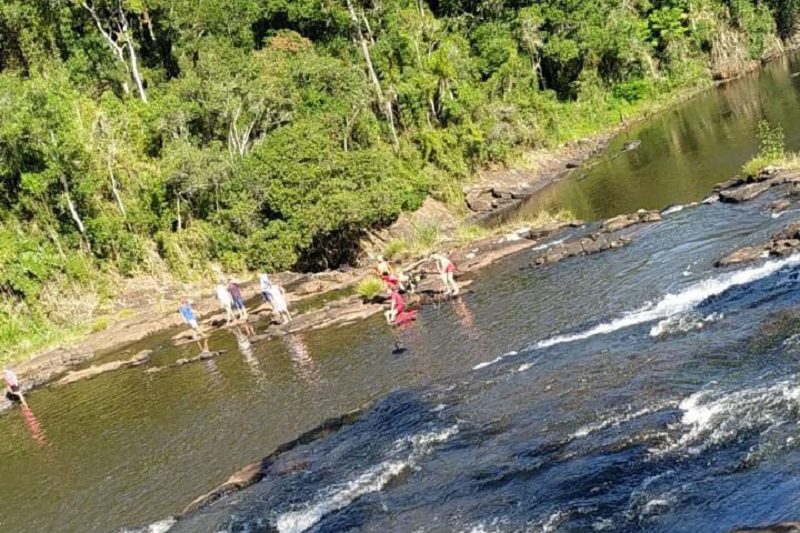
636, 390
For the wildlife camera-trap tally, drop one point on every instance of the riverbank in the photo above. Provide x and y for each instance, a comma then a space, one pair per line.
496, 193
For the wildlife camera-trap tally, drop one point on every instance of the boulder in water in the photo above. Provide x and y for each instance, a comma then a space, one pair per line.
95, 370
744, 193
623, 221
743, 255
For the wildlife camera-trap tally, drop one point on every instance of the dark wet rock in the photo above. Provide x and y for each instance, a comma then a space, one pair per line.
792, 231
95, 370
593, 244
623, 221
631, 145
744, 193
743, 255
780, 206
782, 244
574, 163
784, 527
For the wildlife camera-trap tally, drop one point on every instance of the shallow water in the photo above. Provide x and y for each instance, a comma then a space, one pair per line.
685, 151
636, 390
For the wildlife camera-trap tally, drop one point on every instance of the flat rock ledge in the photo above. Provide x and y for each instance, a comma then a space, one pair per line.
743, 189
782, 244
95, 370
608, 237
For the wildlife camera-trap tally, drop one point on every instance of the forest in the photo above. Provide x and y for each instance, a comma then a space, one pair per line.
164, 136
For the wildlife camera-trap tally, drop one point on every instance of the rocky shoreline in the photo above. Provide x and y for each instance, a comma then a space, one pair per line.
610, 234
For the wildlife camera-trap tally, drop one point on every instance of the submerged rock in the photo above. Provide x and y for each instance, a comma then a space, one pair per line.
95, 370
623, 221
782, 244
595, 243
743, 255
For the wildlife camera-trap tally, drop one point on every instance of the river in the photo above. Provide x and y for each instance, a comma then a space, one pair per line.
637, 390
684, 151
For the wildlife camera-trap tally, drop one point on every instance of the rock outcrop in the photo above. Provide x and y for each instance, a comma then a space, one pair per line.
623, 221
95, 370
595, 243
782, 244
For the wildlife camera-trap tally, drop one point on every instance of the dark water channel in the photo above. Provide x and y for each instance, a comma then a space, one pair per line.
637, 390
684, 151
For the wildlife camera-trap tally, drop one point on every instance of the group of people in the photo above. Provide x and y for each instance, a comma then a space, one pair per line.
231, 301
399, 282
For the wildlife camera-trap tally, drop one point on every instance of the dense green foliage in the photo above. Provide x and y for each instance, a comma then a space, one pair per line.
152, 135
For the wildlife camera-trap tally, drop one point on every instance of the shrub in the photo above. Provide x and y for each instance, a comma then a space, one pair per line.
427, 235
395, 248
771, 148
369, 288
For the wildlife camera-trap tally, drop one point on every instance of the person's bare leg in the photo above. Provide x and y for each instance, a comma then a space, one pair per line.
452, 283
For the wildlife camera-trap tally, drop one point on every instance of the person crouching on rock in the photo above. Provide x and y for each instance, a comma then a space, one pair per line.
397, 306
13, 392
447, 271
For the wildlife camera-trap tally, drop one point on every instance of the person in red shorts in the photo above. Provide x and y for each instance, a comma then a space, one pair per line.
447, 271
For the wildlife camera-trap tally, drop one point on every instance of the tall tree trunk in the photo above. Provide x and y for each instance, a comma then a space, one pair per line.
125, 31
74, 212
383, 103
115, 189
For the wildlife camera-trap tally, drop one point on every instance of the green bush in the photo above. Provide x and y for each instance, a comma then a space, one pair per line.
395, 249
771, 148
369, 288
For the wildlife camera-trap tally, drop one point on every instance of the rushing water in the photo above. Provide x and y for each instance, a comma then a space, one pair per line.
685, 150
635, 390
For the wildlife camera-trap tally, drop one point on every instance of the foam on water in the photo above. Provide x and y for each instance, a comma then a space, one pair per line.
372, 480
162, 526
674, 209
715, 417
618, 419
779, 215
681, 302
683, 323
495, 360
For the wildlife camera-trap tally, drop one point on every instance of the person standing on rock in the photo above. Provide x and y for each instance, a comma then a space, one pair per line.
13, 392
278, 299
225, 301
238, 299
187, 313
266, 286
447, 271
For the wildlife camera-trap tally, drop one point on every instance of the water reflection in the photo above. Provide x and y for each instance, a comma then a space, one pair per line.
684, 152
33, 425
303, 363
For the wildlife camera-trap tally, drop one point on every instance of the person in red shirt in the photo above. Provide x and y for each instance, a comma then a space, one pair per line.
397, 306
